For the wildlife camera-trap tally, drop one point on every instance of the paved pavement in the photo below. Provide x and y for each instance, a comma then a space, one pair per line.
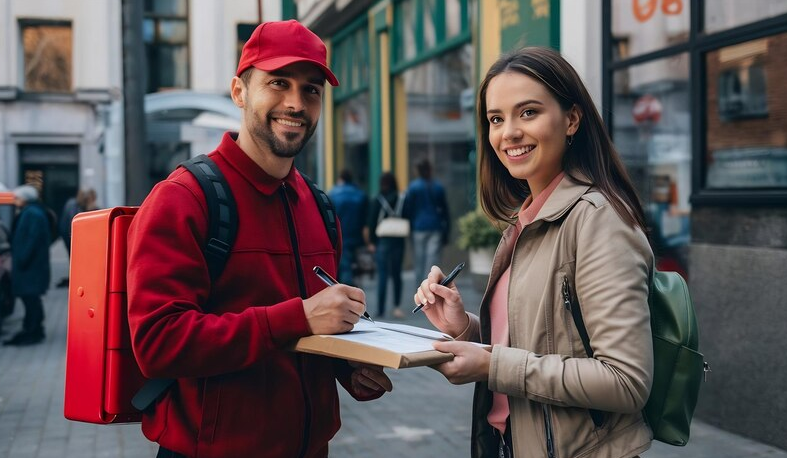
423, 416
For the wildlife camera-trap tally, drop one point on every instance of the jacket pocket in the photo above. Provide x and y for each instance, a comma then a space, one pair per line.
211, 397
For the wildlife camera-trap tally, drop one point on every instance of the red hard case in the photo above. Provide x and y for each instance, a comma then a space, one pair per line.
101, 373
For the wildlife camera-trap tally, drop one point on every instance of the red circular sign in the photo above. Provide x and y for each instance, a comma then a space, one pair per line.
647, 108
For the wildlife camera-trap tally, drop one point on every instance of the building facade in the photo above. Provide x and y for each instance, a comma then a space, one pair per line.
691, 91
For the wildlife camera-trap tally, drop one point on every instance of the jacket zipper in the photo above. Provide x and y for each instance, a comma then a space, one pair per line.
548, 431
302, 288
568, 318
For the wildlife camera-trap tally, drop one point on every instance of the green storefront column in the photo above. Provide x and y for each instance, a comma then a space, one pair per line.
529, 23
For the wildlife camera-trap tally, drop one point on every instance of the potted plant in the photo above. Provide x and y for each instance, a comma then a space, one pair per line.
480, 237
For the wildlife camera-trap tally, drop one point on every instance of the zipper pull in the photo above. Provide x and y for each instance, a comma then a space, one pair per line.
566, 294
705, 370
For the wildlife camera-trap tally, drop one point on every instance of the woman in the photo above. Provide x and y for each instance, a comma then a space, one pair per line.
389, 251
548, 170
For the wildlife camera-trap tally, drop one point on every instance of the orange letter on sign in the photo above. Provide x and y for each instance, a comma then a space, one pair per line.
643, 12
674, 7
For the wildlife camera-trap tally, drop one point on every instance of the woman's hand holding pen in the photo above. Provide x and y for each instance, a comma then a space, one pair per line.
443, 305
334, 310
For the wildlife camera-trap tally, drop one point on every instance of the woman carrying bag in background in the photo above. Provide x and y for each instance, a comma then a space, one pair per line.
389, 251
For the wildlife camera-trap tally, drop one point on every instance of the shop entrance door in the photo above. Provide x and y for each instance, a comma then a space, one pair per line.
53, 169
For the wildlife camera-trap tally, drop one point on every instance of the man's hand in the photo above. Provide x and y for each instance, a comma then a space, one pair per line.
368, 380
470, 363
334, 309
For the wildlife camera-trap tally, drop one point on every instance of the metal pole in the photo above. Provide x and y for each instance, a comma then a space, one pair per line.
137, 158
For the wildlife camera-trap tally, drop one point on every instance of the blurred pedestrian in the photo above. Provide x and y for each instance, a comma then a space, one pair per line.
575, 236
6, 297
388, 251
427, 209
85, 200
30, 271
350, 203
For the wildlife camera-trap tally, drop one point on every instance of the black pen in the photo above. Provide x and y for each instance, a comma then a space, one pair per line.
446, 281
330, 281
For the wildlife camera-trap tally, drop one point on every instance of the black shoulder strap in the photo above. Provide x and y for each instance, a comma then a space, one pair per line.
576, 312
222, 229
327, 210
222, 212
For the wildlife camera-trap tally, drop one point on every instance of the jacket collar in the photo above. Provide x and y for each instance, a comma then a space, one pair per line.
564, 197
249, 170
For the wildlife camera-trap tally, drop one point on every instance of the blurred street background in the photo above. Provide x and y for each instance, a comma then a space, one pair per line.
110, 95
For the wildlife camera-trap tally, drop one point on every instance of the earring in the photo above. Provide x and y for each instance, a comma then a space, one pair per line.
570, 140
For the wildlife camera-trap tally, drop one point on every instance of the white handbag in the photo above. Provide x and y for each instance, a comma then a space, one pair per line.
390, 222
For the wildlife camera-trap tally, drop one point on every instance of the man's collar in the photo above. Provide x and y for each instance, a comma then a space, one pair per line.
249, 170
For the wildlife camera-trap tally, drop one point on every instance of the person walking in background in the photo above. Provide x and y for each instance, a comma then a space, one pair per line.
388, 251
85, 200
239, 390
548, 169
30, 269
427, 209
350, 203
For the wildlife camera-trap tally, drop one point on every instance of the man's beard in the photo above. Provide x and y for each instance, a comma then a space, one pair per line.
263, 132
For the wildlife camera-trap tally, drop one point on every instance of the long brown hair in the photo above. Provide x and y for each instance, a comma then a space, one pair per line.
591, 153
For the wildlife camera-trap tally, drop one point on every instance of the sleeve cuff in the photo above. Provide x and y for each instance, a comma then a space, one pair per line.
286, 321
471, 332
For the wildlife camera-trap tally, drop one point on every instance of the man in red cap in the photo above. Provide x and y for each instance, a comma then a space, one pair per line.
239, 392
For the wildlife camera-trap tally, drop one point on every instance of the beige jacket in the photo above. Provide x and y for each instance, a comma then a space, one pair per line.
578, 239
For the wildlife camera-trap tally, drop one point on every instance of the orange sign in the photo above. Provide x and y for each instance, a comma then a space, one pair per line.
644, 10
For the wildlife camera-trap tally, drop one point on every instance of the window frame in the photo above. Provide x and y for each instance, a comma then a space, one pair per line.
697, 46
33, 22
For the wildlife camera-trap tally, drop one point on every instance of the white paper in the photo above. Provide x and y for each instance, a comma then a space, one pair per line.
383, 335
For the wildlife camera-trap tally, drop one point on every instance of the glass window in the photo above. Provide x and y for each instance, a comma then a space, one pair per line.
440, 125
350, 61
405, 21
166, 7
166, 36
428, 17
47, 53
642, 26
453, 18
725, 14
352, 138
746, 122
652, 132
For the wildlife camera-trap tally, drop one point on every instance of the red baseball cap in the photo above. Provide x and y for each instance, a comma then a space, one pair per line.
274, 45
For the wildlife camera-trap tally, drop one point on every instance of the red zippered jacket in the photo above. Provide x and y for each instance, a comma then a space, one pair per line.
239, 392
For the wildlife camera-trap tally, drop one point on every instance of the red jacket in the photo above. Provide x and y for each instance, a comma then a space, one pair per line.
240, 393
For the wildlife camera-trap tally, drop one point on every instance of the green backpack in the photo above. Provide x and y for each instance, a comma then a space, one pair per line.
678, 366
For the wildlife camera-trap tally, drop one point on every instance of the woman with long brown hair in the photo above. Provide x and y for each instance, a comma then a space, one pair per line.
575, 235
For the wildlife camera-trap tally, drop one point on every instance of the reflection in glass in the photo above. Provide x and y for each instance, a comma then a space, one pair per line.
352, 138
173, 31
642, 26
428, 18
652, 132
439, 115
453, 18
405, 20
746, 123
725, 14
47, 53
166, 7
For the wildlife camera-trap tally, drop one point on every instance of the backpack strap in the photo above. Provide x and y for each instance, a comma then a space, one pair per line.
222, 230
222, 212
327, 210
576, 313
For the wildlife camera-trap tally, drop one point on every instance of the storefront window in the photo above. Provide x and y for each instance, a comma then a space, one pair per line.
725, 14
406, 30
453, 18
47, 53
643, 26
652, 131
440, 125
352, 138
746, 115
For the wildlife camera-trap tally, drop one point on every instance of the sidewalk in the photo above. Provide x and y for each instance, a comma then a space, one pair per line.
424, 416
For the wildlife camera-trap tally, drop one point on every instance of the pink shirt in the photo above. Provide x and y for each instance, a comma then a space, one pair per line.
498, 304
